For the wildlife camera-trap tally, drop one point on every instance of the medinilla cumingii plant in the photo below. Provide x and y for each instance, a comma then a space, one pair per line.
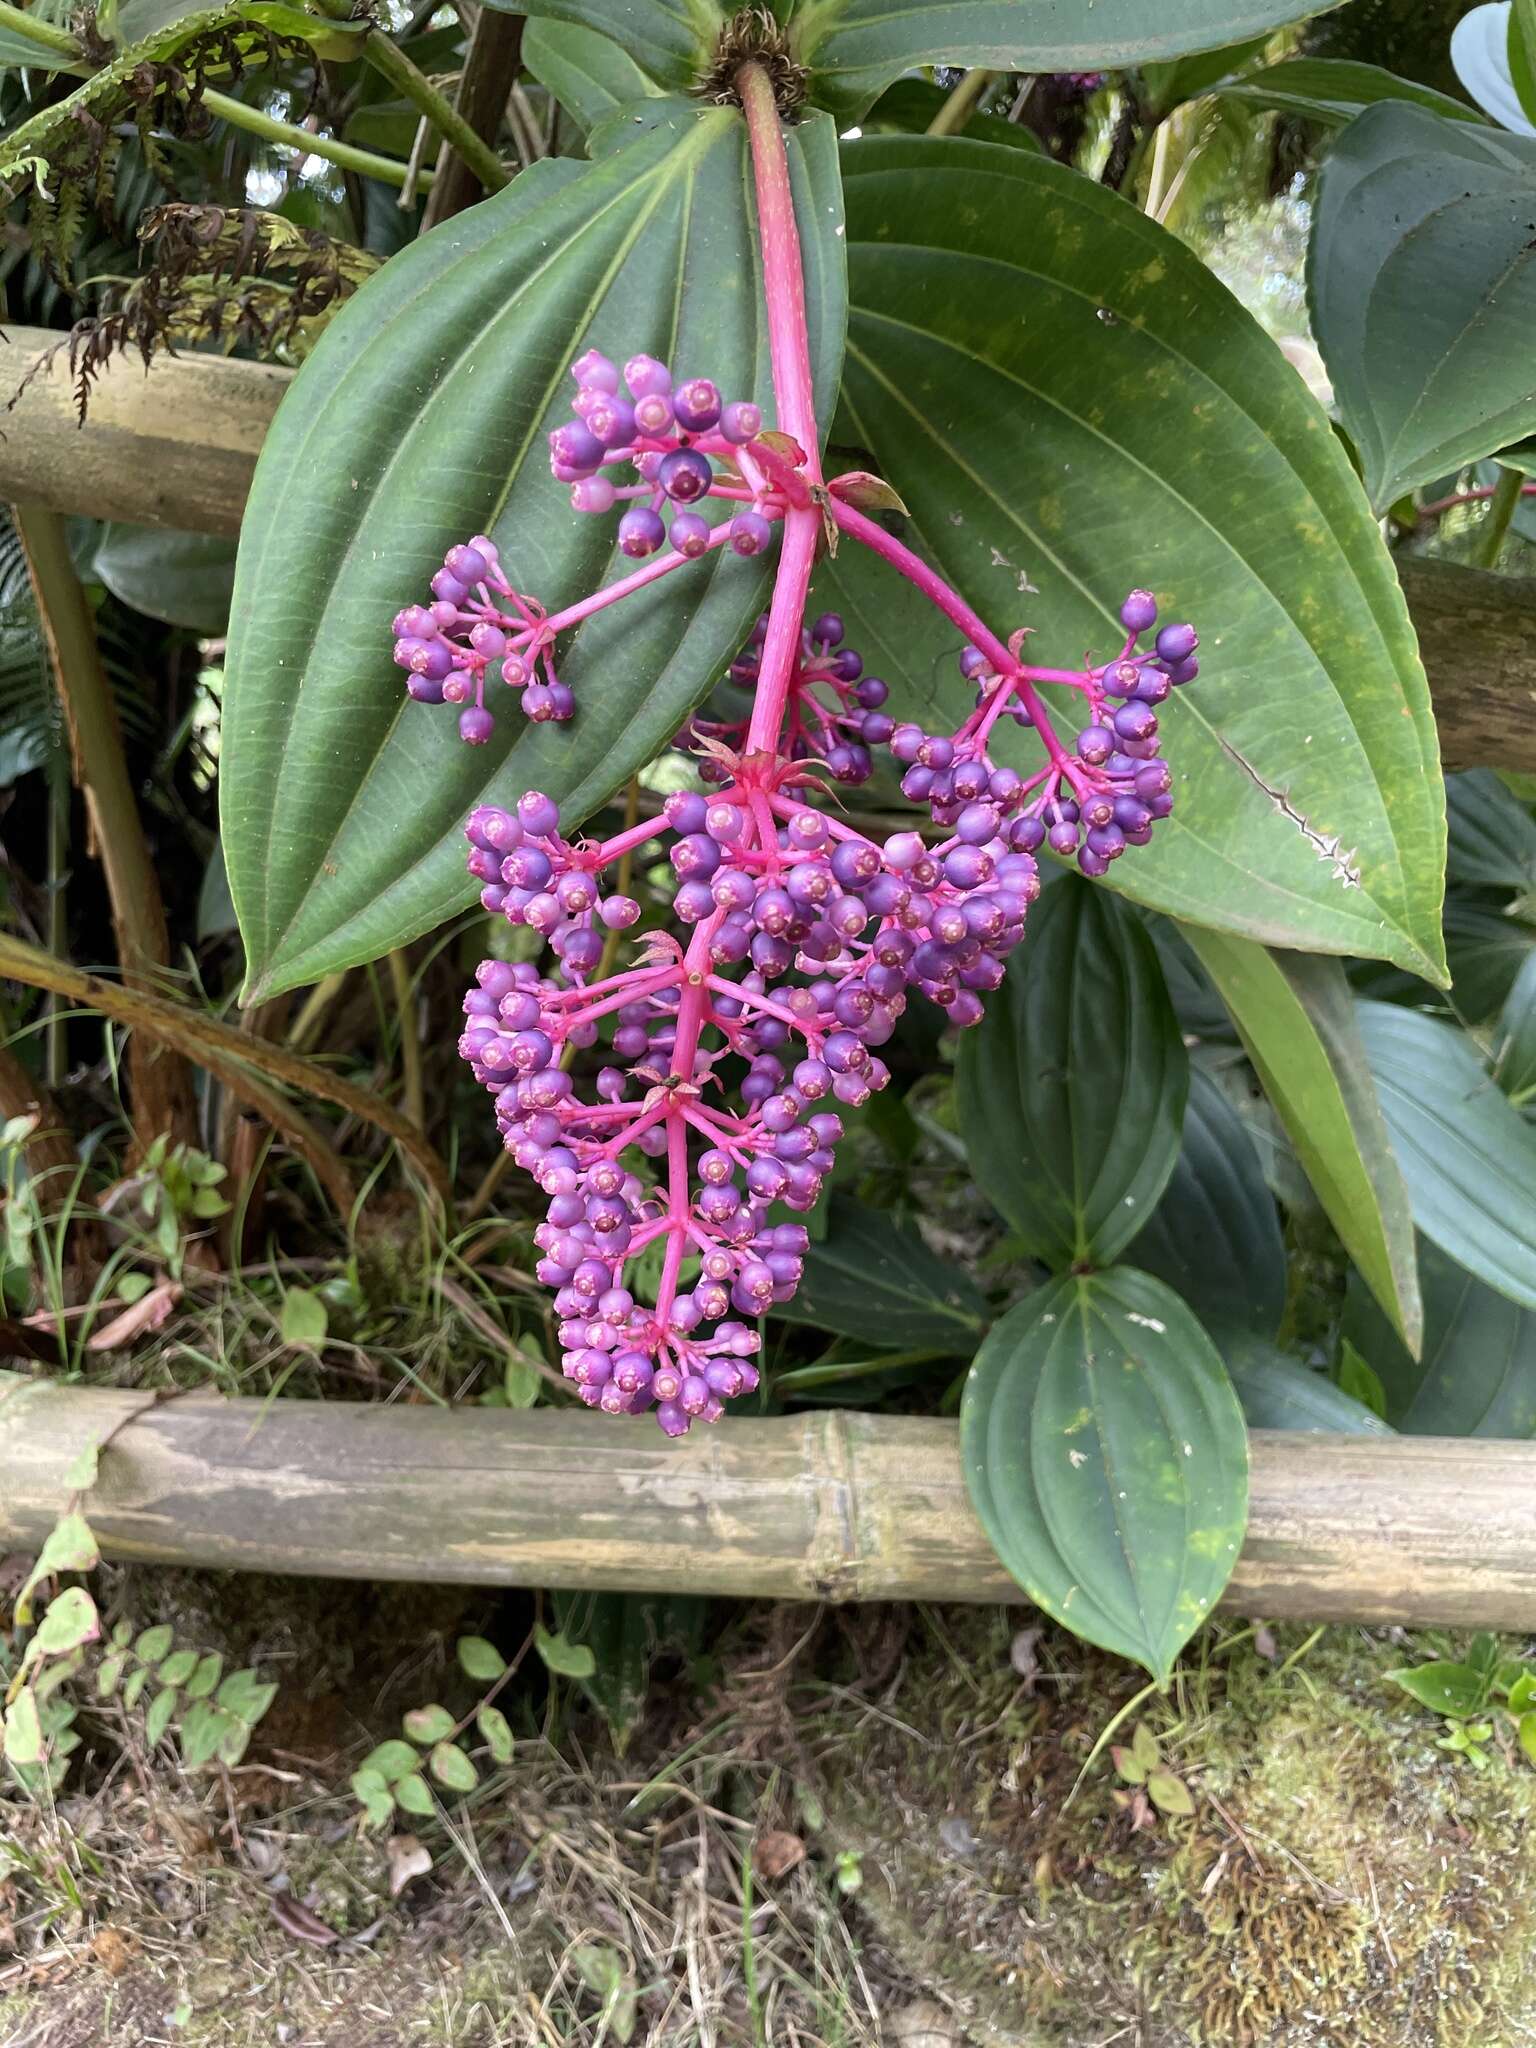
574, 462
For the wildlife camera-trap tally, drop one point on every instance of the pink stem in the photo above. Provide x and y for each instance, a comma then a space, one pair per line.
794, 399
955, 608
1467, 498
659, 565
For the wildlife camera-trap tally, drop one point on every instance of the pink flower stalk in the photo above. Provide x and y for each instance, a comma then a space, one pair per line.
724, 1051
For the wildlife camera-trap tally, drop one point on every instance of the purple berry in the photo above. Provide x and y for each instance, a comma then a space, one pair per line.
476, 725
1139, 611
689, 534
685, 475
741, 421
696, 404
1177, 643
641, 532
751, 533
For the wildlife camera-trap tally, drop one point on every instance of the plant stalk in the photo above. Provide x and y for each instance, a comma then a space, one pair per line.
344, 154
410, 1041
225, 1052
161, 1082
794, 398
392, 64
962, 102
45, 34
490, 72
1501, 510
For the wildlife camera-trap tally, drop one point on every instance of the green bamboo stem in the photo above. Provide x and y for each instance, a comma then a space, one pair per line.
392, 63
962, 103
1501, 510
162, 1083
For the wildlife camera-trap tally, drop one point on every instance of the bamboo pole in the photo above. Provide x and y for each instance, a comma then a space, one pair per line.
176, 447
825, 1506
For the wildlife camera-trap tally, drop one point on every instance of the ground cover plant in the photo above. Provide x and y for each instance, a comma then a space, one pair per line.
800, 569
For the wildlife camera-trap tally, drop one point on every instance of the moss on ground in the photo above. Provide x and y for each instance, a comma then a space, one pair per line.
1341, 1880
1340, 1883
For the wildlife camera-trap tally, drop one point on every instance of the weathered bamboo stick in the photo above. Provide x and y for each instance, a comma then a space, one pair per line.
826, 1506
176, 447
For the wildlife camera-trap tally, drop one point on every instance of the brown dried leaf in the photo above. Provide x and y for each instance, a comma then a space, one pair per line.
147, 1313
295, 1918
777, 1853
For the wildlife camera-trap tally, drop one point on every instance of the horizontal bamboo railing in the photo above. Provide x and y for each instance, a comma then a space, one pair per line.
175, 446
826, 1506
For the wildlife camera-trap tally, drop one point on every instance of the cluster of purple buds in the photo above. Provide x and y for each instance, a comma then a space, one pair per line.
672, 1107
804, 939
1105, 796
673, 435
834, 712
452, 647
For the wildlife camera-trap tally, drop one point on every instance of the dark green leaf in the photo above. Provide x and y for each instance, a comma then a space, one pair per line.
1071, 1090
1278, 1392
908, 108
1034, 399
1360, 1381
1422, 277
419, 420
1516, 1069
1106, 1455
183, 578
1477, 1376
1334, 89
855, 47
624, 1633
1455, 1690
1468, 1157
1491, 837
874, 1278
1215, 1235
1297, 1022
587, 73
1487, 949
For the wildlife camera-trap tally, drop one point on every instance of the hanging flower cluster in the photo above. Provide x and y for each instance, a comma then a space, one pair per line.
678, 1097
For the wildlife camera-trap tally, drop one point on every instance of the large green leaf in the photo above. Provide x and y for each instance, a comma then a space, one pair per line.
1295, 1017
855, 48
1492, 838
1278, 1392
1070, 403
1477, 1375
1215, 1235
420, 420
183, 578
1106, 1455
1467, 1155
1422, 278
589, 75
1516, 1066
874, 1278
1071, 1089
1334, 89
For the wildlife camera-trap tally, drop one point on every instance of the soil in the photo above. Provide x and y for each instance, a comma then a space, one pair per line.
916, 1816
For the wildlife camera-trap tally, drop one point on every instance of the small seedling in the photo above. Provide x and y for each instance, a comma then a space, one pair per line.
1484, 1697
1140, 1766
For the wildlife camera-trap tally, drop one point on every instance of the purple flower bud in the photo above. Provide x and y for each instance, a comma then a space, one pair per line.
741, 421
